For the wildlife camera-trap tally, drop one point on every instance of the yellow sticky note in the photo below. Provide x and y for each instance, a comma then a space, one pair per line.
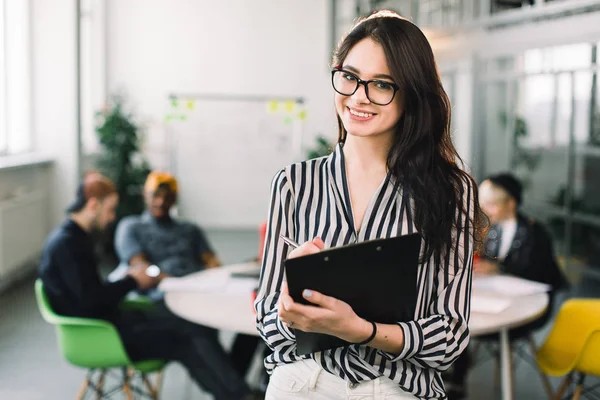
273, 105
190, 104
302, 115
289, 106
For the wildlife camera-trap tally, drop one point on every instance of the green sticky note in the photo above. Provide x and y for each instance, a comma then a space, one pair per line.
174, 102
168, 118
183, 117
287, 120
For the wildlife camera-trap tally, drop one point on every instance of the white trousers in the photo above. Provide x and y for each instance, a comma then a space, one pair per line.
306, 379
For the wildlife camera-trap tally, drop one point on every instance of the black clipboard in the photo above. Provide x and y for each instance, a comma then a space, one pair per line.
377, 278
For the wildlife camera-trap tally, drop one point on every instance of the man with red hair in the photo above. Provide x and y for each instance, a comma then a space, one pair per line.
73, 290
69, 272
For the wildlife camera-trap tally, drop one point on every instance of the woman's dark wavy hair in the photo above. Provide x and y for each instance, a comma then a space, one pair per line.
422, 155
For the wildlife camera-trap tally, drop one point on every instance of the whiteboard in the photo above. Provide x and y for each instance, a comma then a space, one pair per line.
225, 154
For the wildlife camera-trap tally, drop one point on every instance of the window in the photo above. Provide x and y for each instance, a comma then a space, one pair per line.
539, 119
15, 77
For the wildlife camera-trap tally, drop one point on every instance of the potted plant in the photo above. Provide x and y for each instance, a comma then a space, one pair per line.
322, 148
121, 159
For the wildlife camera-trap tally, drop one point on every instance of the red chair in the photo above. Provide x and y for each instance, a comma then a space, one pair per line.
262, 232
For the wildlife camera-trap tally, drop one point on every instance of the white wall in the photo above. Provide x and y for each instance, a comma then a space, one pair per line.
263, 47
54, 95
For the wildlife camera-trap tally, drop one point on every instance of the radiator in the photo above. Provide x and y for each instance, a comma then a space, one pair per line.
23, 229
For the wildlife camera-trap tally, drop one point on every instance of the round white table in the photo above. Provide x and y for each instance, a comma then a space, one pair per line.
522, 309
214, 298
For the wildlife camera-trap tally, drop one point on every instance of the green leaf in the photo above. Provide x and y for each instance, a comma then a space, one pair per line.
120, 141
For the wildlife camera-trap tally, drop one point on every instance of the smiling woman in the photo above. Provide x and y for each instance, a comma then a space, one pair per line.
393, 172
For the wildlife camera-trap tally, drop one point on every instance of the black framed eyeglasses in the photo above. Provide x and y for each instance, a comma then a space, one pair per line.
378, 91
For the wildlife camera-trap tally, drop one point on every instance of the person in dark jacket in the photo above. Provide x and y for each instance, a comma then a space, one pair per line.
69, 273
516, 244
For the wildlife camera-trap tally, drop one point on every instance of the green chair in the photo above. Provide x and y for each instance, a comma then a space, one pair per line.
95, 344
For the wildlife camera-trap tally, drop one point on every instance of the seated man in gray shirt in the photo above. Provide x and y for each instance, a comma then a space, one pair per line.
177, 247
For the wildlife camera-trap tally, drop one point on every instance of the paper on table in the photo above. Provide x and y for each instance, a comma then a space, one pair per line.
488, 304
241, 286
192, 284
509, 286
218, 283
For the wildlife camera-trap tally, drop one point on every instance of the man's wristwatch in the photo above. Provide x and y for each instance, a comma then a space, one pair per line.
153, 271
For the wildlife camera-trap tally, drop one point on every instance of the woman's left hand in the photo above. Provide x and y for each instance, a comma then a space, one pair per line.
328, 315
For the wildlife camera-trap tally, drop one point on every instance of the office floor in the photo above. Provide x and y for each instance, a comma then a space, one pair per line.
31, 367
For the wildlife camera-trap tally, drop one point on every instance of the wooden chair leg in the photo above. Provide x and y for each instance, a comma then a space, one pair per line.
84, 385
563, 386
158, 383
100, 384
577, 393
543, 376
127, 391
83, 389
151, 389
126, 379
579, 387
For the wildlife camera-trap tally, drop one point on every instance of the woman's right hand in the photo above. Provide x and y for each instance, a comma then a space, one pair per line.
312, 247
285, 300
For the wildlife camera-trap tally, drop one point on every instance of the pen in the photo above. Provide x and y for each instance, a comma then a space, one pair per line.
289, 241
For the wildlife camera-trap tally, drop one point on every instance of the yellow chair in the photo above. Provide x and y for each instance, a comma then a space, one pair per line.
573, 345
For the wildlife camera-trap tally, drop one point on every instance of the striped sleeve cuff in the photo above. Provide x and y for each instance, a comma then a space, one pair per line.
285, 331
413, 341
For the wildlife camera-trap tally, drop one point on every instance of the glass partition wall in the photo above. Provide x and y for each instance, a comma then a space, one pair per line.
539, 117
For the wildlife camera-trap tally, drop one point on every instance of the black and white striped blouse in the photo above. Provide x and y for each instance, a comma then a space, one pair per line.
311, 199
